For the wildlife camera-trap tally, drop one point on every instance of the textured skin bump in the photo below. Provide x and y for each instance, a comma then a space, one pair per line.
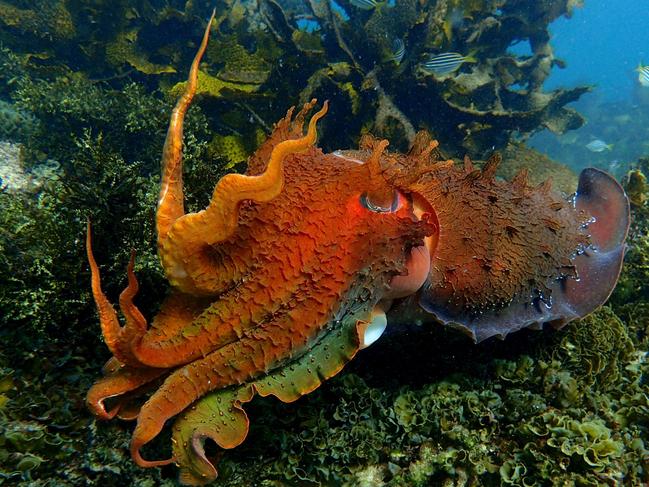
498, 241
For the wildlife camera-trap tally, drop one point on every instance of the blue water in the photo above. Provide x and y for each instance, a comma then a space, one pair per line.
602, 44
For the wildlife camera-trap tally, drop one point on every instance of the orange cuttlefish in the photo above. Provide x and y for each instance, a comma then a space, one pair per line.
300, 262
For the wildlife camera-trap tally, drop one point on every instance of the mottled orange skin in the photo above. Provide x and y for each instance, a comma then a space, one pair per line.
285, 251
277, 282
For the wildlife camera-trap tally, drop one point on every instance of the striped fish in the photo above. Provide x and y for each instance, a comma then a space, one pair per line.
446, 63
398, 51
364, 4
643, 75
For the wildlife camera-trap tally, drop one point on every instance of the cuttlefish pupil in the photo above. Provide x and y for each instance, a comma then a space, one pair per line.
372, 203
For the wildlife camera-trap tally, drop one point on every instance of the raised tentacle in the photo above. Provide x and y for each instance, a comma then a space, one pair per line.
112, 331
183, 252
118, 339
110, 327
170, 204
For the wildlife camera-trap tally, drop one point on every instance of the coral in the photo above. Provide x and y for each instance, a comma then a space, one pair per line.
42, 426
485, 101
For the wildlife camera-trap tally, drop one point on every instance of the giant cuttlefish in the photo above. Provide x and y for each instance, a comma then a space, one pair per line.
300, 262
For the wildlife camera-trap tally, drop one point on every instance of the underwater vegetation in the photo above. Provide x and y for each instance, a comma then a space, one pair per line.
265, 52
541, 408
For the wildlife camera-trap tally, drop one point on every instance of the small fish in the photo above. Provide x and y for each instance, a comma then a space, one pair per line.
446, 63
614, 165
643, 75
598, 145
365, 4
398, 51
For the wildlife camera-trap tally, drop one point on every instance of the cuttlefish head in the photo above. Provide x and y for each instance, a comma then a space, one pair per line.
380, 194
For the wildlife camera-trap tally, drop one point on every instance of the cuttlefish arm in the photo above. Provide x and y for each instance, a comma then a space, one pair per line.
220, 416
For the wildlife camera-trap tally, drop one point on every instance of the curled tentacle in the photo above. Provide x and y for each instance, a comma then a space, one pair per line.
118, 339
112, 331
124, 380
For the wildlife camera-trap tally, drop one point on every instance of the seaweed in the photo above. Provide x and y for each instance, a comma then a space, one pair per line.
265, 52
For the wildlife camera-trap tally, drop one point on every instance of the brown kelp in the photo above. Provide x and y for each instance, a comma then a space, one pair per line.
265, 51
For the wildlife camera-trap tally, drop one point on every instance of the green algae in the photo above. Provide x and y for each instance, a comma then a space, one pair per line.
212, 86
596, 352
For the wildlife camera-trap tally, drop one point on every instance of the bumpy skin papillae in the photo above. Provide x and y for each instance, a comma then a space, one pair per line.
510, 255
541, 249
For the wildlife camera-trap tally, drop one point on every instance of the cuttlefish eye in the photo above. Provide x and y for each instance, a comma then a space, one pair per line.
378, 204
